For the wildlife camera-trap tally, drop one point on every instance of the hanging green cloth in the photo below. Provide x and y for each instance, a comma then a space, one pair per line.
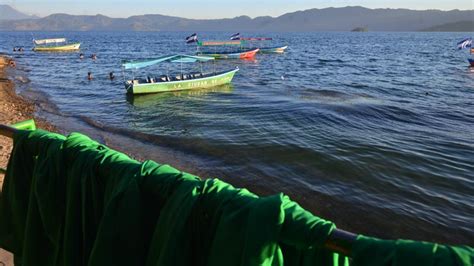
21, 226
212, 223
72, 201
101, 182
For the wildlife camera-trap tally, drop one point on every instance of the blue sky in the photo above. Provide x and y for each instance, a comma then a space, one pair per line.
214, 8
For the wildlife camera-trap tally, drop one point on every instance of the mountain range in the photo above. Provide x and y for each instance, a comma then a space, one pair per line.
9, 13
327, 19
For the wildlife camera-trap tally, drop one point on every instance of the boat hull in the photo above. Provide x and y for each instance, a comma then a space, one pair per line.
239, 55
180, 85
273, 50
60, 48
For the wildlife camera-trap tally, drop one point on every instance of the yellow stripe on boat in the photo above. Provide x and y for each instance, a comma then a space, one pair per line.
68, 47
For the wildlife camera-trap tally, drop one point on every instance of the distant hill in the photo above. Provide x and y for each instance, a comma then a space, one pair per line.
9, 13
327, 19
460, 26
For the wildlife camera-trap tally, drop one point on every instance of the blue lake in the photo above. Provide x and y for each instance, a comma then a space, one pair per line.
374, 131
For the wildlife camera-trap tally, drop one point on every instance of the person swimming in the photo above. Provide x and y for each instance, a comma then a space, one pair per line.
81, 56
94, 56
111, 76
89, 76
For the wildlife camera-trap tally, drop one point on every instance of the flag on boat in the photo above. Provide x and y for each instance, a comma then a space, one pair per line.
235, 36
465, 43
192, 38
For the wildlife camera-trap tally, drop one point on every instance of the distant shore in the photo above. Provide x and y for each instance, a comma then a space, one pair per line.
309, 20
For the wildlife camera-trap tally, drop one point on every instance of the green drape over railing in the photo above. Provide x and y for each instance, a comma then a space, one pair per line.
72, 201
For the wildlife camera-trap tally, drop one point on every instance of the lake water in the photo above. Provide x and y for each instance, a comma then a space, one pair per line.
374, 131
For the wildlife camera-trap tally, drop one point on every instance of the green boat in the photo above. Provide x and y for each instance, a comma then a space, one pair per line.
167, 83
153, 99
52, 45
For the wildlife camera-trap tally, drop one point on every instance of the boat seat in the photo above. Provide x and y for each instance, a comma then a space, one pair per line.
150, 80
195, 75
164, 78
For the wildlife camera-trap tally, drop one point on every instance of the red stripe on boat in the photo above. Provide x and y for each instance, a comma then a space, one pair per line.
249, 54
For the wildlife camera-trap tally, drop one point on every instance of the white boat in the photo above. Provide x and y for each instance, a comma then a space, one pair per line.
55, 45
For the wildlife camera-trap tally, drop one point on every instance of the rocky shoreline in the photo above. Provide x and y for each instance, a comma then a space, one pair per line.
13, 109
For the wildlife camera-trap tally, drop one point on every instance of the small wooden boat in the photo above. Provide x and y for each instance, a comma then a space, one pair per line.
51, 45
150, 99
262, 50
222, 54
245, 54
166, 83
273, 50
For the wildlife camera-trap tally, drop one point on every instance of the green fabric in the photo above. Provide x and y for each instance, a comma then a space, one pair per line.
73, 201
260, 229
369, 251
100, 183
302, 235
18, 202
